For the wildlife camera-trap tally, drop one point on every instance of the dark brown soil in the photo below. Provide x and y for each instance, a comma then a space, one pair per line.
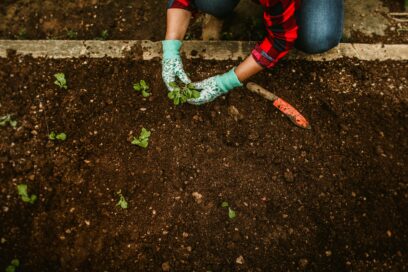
129, 20
334, 198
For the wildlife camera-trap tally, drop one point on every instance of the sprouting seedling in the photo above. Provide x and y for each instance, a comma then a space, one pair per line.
182, 92
122, 201
72, 34
60, 81
231, 213
22, 191
104, 35
143, 140
142, 87
13, 265
60, 136
6, 119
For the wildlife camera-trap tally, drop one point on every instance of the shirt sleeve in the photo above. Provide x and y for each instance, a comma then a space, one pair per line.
280, 21
181, 4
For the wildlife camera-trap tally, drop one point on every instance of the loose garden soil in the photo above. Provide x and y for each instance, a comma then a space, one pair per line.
334, 198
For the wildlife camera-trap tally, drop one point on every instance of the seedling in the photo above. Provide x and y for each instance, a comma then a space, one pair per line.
13, 265
182, 92
22, 33
6, 119
142, 87
72, 34
60, 136
104, 35
143, 140
22, 191
60, 80
231, 213
122, 201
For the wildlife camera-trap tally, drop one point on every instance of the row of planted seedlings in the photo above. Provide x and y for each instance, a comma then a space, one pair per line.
181, 94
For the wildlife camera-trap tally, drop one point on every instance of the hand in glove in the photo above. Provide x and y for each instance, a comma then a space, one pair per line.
214, 87
172, 65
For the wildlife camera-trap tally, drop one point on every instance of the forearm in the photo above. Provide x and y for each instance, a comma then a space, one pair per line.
177, 23
247, 68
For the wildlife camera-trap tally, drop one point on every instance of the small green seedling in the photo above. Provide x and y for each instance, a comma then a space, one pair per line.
60, 136
13, 265
182, 92
231, 213
6, 119
142, 87
22, 33
104, 35
71, 34
122, 201
22, 191
143, 140
60, 81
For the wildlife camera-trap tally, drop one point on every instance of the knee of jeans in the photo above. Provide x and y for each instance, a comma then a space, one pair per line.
218, 9
319, 43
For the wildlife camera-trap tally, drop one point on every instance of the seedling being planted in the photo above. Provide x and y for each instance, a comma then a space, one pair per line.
60, 81
142, 87
22, 191
60, 136
143, 140
231, 213
182, 92
6, 119
122, 201
13, 265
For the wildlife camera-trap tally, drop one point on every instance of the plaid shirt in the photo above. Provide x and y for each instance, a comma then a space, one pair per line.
281, 26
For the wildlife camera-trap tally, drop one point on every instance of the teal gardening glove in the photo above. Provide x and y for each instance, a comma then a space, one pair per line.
216, 86
172, 65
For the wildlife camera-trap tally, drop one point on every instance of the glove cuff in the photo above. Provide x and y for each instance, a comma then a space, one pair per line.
228, 81
171, 48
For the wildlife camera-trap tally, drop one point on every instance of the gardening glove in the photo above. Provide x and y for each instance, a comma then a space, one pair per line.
172, 66
214, 87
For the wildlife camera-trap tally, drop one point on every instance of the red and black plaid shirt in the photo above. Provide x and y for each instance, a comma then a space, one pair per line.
281, 26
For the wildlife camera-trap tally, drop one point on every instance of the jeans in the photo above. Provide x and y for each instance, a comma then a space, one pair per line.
320, 21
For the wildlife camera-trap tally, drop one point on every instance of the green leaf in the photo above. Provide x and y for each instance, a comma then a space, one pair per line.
13, 123
176, 101
173, 84
190, 86
52, 135
61, 81
137, 87
143, 140
33, 198
15, 262
22, 190
144, 85
231, 213
122, 201
171, 95
224, 204
145, 94
61, 136
195, 94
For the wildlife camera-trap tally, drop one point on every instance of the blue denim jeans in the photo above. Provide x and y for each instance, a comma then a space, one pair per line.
320, 21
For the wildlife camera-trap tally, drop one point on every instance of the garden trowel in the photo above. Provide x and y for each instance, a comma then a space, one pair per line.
295, 116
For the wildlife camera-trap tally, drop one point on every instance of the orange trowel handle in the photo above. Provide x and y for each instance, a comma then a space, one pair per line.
295, 116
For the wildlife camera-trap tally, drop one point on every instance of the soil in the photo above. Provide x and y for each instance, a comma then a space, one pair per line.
130, 20
334, 198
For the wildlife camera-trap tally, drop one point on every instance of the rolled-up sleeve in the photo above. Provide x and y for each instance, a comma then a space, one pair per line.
181, 4
282, 29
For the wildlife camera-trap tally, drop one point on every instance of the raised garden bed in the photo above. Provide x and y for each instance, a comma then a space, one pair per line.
333, 198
